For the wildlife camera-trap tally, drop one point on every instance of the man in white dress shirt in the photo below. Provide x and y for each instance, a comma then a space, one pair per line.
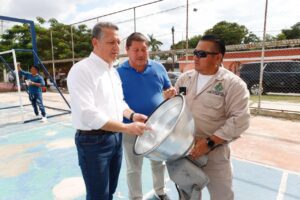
97, 113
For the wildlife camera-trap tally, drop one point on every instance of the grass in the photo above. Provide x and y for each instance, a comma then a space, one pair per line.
274, 98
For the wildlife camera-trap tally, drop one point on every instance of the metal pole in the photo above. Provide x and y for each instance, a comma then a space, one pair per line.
73, 53
2, 27
18, 84
262, 57
134, 19
52, 52
187, 31
173, 61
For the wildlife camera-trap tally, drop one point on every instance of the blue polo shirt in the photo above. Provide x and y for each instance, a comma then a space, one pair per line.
32, 89
143, 91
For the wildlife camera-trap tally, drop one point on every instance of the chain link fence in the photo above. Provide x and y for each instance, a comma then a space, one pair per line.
279, 92
275, 87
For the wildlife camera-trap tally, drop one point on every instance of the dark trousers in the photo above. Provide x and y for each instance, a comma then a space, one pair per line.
100, 158
37, 101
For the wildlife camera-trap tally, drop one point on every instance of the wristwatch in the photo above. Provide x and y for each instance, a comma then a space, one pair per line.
210, 143
131, 116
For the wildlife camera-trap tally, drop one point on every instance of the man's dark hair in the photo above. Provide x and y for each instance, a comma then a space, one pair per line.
217, 41
36, 67
136, 36
98, 29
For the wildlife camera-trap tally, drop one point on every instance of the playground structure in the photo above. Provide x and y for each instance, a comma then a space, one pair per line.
17, 109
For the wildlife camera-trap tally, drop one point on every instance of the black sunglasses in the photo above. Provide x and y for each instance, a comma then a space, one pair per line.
203, 54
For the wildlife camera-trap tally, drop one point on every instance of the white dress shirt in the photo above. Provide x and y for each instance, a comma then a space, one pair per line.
96, 93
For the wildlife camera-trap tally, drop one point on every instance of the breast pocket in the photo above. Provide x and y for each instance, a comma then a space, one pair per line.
215, 105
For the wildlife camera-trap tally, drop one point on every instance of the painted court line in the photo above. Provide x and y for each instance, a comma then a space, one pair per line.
264, 165
282, 187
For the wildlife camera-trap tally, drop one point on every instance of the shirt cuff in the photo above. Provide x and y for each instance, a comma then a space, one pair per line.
222, 135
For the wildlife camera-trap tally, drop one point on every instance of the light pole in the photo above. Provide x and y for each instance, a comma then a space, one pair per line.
187, 31
72, 40
173, 64
134, 19
52, 52
262, 56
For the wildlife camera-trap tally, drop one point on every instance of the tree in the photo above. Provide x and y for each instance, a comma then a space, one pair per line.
231, 33
270, 38
82, 41
192, 43
179, 45
154, 43
40, 20
281, 36
19, 37
251, 38
292, 33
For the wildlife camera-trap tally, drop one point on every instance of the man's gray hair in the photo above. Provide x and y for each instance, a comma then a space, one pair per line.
98, 29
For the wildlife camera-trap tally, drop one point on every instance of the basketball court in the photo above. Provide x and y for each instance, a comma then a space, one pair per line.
39, 161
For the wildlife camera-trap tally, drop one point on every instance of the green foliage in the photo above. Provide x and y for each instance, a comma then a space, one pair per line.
251, 38
41, 20
292, 33
281, 36
154, 43
270, 38
194, 41
231, 33
179, 45
19, 37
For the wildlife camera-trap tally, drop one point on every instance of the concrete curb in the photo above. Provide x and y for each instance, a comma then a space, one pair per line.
276, 113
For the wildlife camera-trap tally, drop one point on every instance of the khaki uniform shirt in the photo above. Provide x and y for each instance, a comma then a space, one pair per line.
221, 107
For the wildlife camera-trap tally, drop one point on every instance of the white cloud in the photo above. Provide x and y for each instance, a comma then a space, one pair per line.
281, 14
30, 9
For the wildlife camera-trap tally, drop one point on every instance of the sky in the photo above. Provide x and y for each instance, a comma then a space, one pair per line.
158, 18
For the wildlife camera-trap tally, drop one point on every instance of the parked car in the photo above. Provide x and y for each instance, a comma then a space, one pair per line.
173, 76
278, 76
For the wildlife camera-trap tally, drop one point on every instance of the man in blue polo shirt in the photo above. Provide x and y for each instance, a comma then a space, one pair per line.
145, 85
34, 81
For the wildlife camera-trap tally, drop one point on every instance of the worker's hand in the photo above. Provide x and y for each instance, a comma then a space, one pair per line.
28, 82
33, 83
19, 67
135, 128
169, 93
200, 148
137, 117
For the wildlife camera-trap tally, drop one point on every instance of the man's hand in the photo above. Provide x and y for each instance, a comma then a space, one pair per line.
135, 128
137, 117
169, 93
200, 148
19, 67
28, 82
33, 83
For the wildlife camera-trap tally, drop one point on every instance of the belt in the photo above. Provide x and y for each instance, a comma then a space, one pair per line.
94, 132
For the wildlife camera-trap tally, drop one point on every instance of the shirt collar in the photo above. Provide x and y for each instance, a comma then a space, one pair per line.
220, 74
127, 65
100, 61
